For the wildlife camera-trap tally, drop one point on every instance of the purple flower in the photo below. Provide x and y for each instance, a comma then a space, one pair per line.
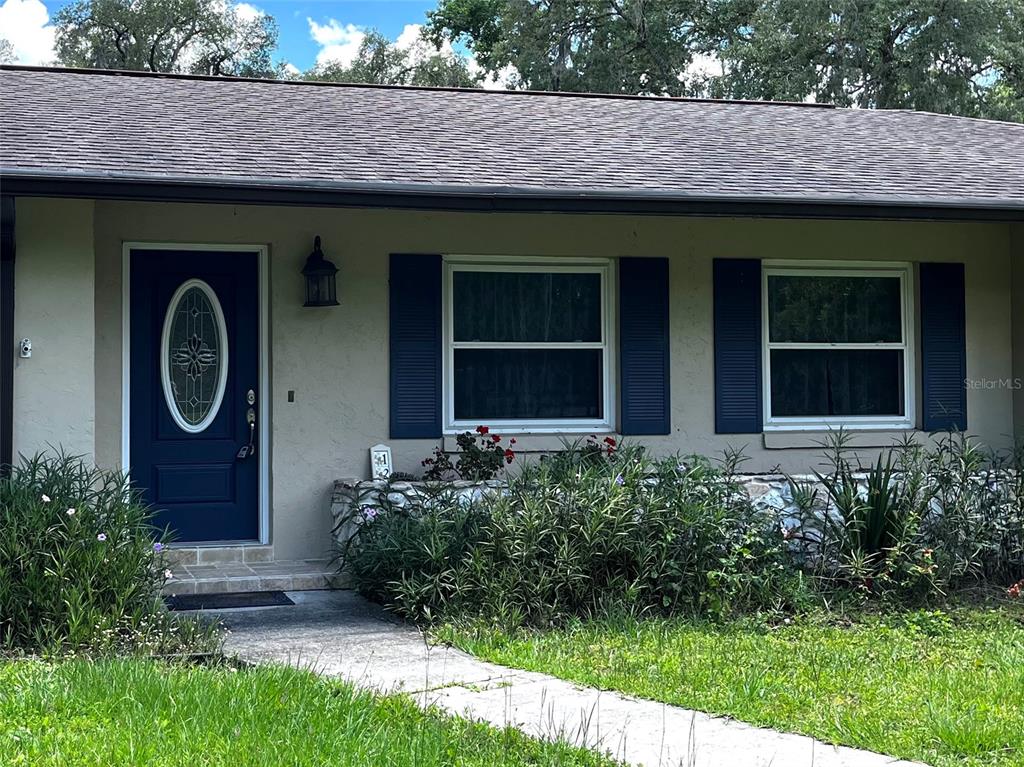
101, 537
369, 512
619, 480
158, 547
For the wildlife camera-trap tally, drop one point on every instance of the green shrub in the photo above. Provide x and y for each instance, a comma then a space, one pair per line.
921, 521
80, 563
977, 522
861, 526
582, 532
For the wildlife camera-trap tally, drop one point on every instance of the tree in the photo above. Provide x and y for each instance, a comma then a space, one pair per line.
607, 46
193, 36
6, 51
380, 61
953, 56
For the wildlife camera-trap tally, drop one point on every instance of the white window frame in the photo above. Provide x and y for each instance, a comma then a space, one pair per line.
901, 270
543, 265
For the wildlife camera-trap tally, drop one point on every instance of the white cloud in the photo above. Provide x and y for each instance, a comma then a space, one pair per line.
247, 12
25, 25
410, 37
338, 42
502, 80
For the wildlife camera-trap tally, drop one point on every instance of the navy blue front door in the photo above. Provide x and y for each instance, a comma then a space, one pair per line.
194, 377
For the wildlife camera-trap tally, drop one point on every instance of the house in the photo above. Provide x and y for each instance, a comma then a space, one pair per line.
688, 274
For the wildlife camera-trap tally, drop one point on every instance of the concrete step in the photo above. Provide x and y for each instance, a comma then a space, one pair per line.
226, 577
212, 555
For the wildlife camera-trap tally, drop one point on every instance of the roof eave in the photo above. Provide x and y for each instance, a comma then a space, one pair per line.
324, 193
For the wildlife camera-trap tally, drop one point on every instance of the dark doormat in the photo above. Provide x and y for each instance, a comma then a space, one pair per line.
227, 601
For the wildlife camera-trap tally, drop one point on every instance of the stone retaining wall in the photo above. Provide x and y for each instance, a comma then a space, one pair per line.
769, 491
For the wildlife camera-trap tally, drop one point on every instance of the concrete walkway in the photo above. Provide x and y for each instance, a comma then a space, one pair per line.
339, 634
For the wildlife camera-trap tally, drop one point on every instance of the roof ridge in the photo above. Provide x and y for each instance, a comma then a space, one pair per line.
427, 88
929, 113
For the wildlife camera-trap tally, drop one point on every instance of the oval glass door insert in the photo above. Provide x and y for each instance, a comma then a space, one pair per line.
194, 356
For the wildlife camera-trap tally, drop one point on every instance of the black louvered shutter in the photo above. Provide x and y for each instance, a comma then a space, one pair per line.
415, 346
643, 345
737, 318
943, 347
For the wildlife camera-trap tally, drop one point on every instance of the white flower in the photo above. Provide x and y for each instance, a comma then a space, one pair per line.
168, 575
70, 512
45, 498
101, 537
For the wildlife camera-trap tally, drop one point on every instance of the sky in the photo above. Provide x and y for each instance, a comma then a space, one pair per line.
310, 30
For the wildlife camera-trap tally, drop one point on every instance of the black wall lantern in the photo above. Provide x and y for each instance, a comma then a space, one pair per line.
320, 278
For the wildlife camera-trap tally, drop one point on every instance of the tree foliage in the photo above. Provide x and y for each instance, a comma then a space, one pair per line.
192, 36
6, 51
961, 57
381, 61
608, 46
954, 56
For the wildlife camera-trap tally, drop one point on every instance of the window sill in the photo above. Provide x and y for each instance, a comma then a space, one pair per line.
814, 439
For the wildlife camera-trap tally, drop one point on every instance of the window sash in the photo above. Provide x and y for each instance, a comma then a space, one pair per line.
901, 271
539, 265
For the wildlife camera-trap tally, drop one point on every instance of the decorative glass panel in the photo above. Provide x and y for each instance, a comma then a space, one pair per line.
839, 382
527, 307
834, 310
194, 356
499, 384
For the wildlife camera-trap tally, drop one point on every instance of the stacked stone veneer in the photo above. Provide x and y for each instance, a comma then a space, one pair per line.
770, 491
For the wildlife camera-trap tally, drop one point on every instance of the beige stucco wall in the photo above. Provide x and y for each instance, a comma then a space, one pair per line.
1017, 247
54, 402
335, 360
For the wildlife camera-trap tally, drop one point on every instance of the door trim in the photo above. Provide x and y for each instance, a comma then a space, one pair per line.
263, 254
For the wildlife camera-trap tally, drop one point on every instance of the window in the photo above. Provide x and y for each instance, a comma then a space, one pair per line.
837, 347
193, 356
527, 345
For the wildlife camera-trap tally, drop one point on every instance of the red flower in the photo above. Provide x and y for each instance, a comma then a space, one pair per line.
610, 442
509, 455
482, 430
512, 441
496, 438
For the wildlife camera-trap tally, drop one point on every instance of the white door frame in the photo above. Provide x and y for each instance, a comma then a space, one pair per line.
263, 254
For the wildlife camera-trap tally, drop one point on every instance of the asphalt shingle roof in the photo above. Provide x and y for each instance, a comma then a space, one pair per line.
191, 129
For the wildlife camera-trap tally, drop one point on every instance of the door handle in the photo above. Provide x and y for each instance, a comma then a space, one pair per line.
250, 418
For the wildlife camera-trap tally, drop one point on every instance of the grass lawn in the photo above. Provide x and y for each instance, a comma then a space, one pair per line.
139, 712
943, 688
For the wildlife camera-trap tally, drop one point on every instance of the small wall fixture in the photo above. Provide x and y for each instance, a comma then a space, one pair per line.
320, 279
